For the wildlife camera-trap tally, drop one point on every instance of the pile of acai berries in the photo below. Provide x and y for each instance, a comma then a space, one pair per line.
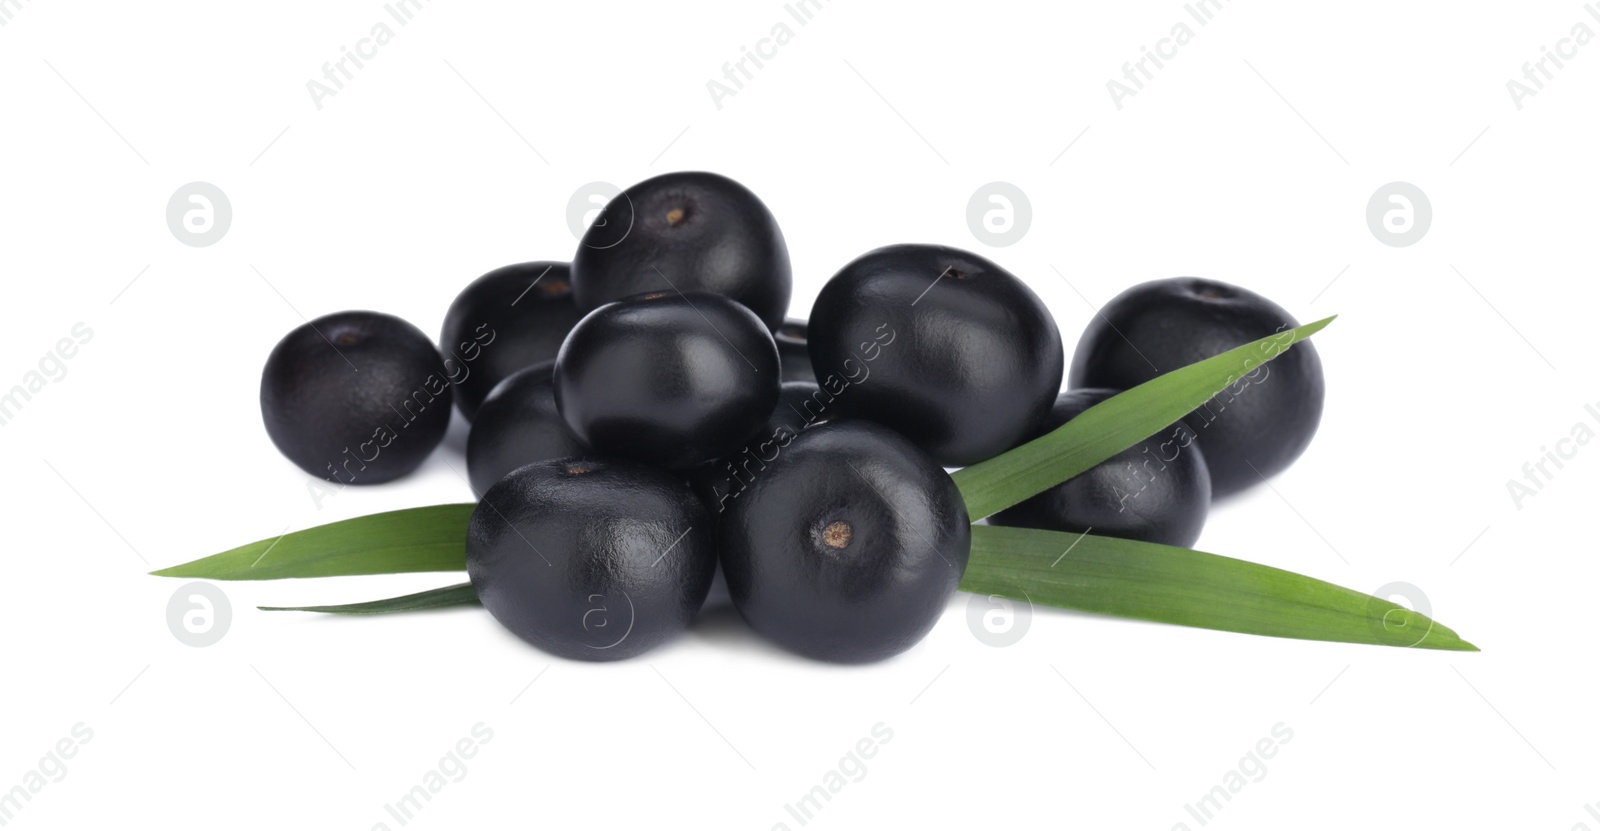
645, 412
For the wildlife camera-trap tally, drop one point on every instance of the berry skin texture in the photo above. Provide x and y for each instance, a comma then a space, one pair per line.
686, 231
793, 353
589, 558
942, 345
356, 397
1157, 491
675, 380
517, 425
1255, 428
848, 546
510, 318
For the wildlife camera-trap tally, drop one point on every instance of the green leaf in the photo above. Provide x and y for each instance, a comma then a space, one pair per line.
458, 595
1114, 425
1109, 576
415, 539
1161, 583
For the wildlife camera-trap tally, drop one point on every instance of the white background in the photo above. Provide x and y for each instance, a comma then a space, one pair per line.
1249, 158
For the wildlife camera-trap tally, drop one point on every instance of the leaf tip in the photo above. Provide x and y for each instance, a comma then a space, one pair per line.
1316, 326
1451, 642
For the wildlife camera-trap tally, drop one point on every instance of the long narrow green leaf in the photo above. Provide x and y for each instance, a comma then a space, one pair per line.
1113, 425
1123, 578
1189, 588
458, 595
415, 539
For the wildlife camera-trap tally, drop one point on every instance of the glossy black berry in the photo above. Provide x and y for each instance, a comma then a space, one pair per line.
671, 379
848, 546
517, 425
687, 231
942, 345
793, 354
1157, 491
510, 318
1255, 428
356, 397
591, 558
800, 405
